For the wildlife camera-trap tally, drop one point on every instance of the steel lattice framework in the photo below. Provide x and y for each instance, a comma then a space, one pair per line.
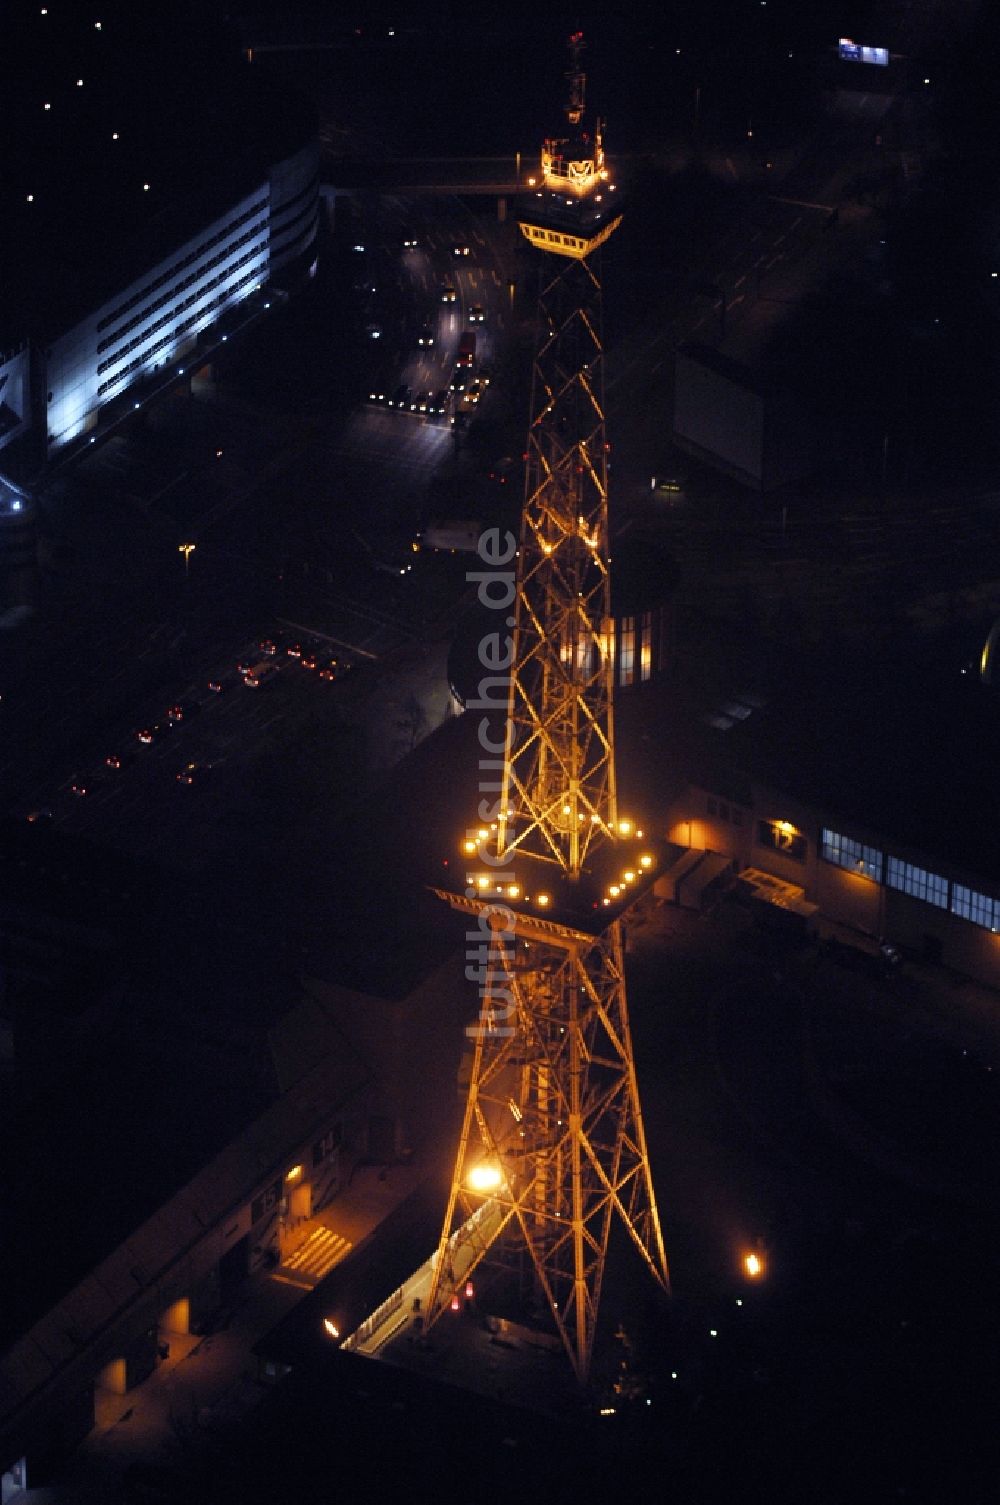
559, 775
552, 1144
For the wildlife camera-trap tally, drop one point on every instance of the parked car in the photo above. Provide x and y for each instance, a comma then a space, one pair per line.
262, 674
193, 771
147, 735
183, 710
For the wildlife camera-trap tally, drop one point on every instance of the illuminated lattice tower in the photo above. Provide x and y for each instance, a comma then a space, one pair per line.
552, 1143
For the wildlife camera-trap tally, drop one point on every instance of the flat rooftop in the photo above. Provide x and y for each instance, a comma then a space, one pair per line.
910, 755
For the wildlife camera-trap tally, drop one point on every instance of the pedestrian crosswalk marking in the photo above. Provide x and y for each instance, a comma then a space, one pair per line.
318, 1254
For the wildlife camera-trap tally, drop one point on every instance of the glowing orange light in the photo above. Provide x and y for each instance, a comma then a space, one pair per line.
753, 1266
485, 1177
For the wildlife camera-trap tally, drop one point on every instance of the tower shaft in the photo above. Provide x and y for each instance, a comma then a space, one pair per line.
552, 1144
559, 777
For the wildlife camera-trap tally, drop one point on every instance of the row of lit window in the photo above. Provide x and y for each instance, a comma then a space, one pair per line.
626, 661
845, 852
295, 236
259, 212
309, 191
173, 308
258, 208
908, 878
555, 237
178, 330
296, 229
167, 301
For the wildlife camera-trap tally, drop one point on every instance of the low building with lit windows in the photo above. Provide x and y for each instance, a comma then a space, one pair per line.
157, 185
643, 581
873, 804
65, 1369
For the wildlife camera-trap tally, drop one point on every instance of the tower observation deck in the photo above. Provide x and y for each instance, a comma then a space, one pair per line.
552, 1145
574, 207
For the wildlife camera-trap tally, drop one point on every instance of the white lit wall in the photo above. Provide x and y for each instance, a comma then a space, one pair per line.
294, 205
143, 328
15, 395
150, 325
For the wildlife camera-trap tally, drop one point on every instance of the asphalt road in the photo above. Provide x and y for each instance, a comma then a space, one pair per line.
305, 516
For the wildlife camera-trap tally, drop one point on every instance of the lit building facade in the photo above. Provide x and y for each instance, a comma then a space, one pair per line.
158, 319
134, 223
860, 877
68, 1369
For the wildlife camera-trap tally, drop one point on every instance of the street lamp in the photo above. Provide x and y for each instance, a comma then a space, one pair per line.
187, 549
754, 1263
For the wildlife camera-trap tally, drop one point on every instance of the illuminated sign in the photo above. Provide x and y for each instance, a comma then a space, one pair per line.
853, 52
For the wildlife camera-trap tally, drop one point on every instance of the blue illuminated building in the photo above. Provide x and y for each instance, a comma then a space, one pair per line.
155, 184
